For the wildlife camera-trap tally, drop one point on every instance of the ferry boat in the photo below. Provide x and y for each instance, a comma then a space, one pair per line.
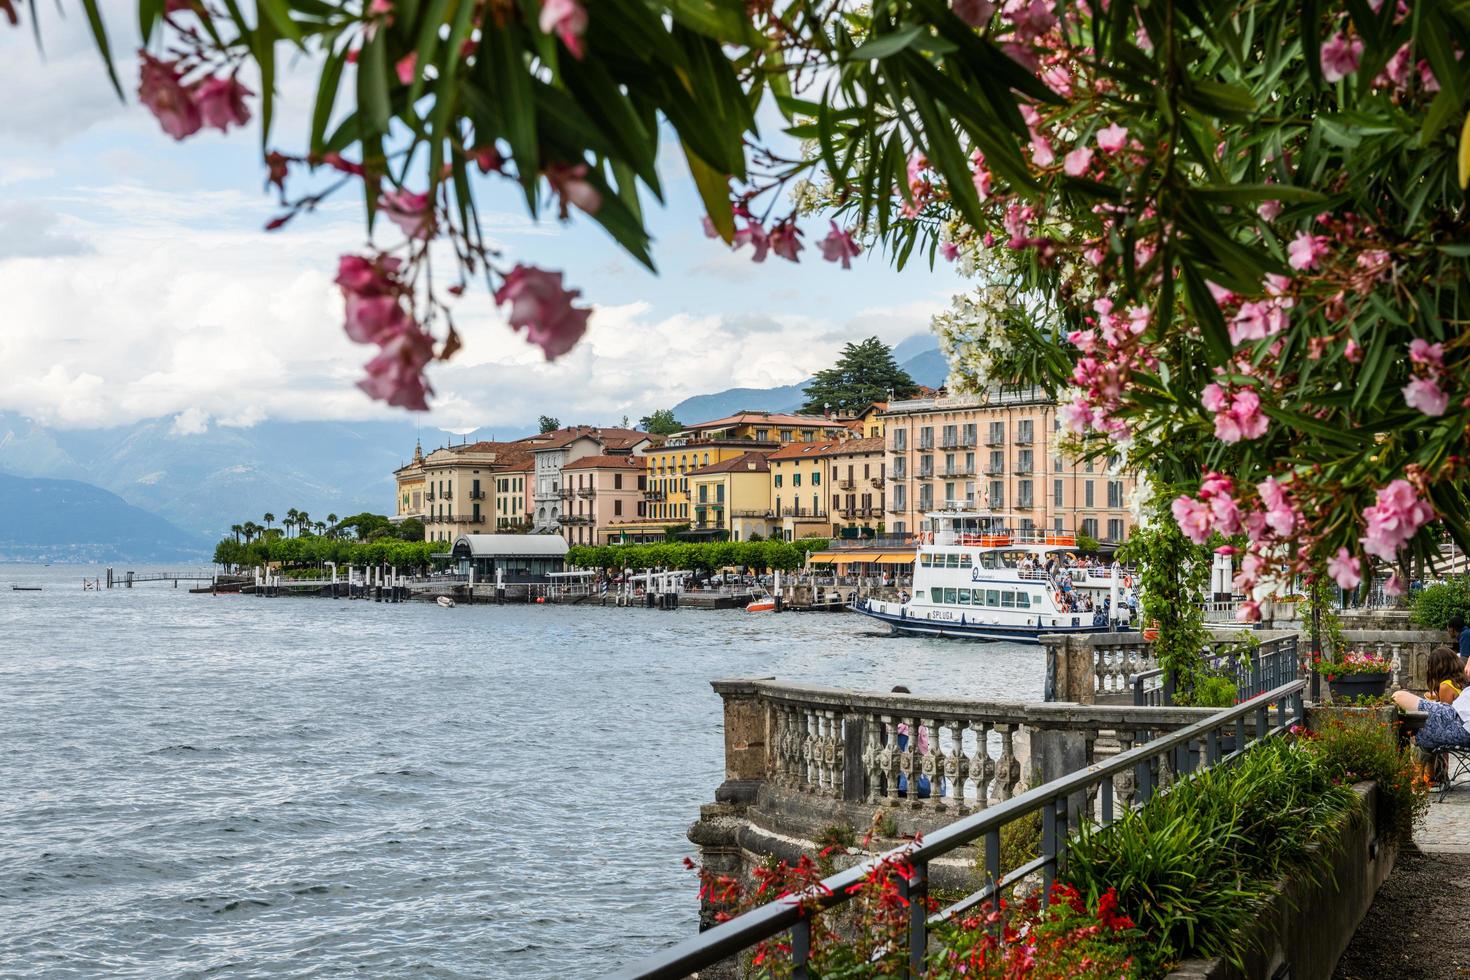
974, 577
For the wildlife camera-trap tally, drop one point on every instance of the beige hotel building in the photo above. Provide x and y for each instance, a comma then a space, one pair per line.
997, 451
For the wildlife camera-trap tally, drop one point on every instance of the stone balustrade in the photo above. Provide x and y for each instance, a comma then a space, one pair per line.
1093, 668
1408, 649
836, 753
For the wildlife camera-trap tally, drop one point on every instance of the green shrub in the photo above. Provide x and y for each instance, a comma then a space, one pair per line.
1435, 604
1194, 865
1214, 691
1356, 748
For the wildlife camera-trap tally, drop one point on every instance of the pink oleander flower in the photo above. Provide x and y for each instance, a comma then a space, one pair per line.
980, 175
1257, 320
1395, 586
1351, 352
540, 305
572, 186
568, 20
221, 102
1423, 352
1249, 612
1346, 570
1269, 210
1340, 56
380, 7
412, 213
949, 250
396, 375
173, 105
1306, 251
1076, 416
1112, 139
1240, 417
1031, 18
1374, 260
755, 236
976, 13
371, 292
838, 246
1394, 519
709, 227
1280, 514
1225, 513
1426, 395
407, 68
785, 241
1077, 162
1193, 518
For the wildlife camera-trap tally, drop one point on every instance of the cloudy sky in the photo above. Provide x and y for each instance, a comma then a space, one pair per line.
137, 281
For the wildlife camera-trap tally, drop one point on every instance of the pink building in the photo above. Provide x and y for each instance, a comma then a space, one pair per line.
601, 492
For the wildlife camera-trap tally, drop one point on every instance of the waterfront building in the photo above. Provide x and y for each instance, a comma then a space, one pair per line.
998, 450
732, 498
555, 449
605, 490
798, 493
513, 497
509, 558
453, 489
857, 482
670, 464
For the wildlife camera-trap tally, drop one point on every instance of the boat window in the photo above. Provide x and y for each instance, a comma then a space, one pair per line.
1008, 600
992, 597
987, 560
954, 561
964, 561
1023, 600
918, 595
925, 560
964, 597
950, 597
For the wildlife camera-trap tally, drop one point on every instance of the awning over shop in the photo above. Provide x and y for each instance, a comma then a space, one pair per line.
854, 556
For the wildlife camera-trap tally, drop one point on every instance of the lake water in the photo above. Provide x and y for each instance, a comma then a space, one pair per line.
202, 785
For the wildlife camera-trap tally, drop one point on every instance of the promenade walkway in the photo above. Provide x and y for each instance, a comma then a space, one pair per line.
1415, 929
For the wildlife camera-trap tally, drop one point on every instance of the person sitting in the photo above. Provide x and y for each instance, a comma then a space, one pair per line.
1446, 726
1459, 635
1446, 673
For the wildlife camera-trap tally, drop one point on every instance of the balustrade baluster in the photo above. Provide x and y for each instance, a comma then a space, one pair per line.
836, 762
1124, 783
872, 757
982, 769
890, 759
956, 767
1008, 768
806, 766
910, 760
930, 763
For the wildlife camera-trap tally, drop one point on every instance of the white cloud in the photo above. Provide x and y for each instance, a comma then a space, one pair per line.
190, 422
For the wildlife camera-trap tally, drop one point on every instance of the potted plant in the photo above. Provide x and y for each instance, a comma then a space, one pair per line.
1214, 689
1356, 674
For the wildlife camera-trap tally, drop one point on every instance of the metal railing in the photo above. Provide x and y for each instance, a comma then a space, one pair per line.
1152, 765
1273, 663
901, 542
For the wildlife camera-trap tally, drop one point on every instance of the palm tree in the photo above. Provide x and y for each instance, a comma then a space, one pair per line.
332, 520
235, 529
303, 520
290, 521
321, 528
269, 520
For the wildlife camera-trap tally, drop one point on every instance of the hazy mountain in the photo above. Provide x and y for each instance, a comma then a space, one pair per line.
918, 355
65, 520
206, 481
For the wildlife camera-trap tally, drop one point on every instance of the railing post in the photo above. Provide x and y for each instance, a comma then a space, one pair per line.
748, 758
916, 890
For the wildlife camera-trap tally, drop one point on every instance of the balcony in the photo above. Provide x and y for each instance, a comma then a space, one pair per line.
953, 471
877, 481
767, 513
1024, 505
996, 439
430, 496
654, 495
896, 508
926, 473
926, 444
586, 492
477, 494
1024, 440
861, 511
801, 512
845, 484
958, 442
1024, 469
574, 519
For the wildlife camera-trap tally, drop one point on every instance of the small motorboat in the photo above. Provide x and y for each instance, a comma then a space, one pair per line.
445, 601
763, 604
25, 588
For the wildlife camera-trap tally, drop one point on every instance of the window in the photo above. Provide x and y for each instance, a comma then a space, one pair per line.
969, 434
617, 481
926, 467
1087, 494
900, 440
785, 435
1008, 600
926, 437
720, 493
1023, 494
1058, 526
1089, 527
997, 435
1115, 493
951, 435
796, 479
617, 508
1024, 461
992, 597
900, 468
964, 597
1024, 431
1115, 529
926, 560
704, 493
1090, 465
1023, 600
778, 480
926, 496
997, 462
817, 478
762, 435
900, 497
997, 494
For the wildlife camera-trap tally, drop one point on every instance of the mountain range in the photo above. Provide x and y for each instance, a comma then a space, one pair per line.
194, 485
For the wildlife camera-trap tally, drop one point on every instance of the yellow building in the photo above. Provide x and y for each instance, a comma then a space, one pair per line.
670, 464
412, 481
733, 497
453, 489
798, 492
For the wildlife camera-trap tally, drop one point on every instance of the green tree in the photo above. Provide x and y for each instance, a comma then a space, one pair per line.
865, 373
660, 422
548, 423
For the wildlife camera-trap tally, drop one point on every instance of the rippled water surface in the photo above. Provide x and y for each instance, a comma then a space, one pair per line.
202, 785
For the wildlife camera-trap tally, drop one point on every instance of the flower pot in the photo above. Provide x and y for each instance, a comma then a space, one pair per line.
1347, 687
